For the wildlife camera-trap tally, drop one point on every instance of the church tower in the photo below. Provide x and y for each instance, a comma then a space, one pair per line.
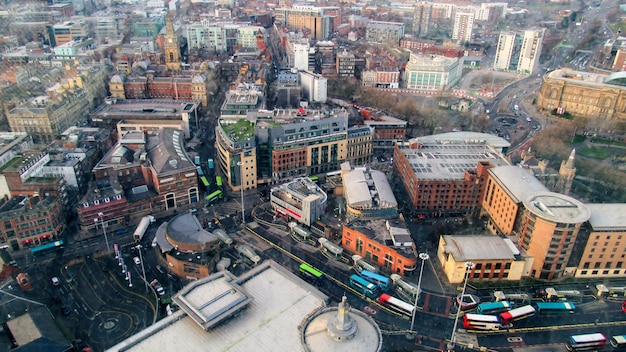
567, 172
171, 48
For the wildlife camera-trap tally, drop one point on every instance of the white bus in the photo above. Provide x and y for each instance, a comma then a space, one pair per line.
517, 314
587, 342
482, 322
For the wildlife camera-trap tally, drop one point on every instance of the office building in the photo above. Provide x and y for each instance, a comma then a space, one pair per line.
319, 21
70, 30
432, 73
301, 200
345, 64
360, 145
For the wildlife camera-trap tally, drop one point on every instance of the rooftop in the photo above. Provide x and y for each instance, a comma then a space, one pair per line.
607, 217
557, 208
186, 229
143, 109
518, 182
271, 303
392, 233
477, 247
368, 189
573, 76
449, 161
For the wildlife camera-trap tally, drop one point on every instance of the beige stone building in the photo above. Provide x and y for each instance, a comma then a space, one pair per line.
585, 94
494, 258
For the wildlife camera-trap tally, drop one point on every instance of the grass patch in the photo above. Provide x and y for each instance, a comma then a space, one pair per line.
594, 152
579, 138
608, 142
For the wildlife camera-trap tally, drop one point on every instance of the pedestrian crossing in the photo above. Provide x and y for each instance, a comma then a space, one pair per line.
223, 208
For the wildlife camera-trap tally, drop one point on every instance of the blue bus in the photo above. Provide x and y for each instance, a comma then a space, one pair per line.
196, 160
199, 171
555, 307
363, 286
382, 281
211, 164
493, 307
47, 248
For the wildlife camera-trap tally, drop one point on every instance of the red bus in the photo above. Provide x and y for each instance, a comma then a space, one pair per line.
481, 322
517, 314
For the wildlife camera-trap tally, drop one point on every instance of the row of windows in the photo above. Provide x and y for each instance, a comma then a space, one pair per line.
607, 265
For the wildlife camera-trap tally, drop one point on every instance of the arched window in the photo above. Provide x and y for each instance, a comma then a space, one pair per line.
171, 56
170, 201
193, 195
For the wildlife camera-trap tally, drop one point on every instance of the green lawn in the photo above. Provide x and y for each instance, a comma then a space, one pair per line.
609, 142
594, 152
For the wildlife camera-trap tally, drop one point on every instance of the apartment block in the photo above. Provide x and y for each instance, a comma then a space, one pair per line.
384, 32
463, 25
432, 73
519, 51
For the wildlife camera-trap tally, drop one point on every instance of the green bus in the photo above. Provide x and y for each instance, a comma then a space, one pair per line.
218, 181
311, 274
214, 196
204, 181
314, 178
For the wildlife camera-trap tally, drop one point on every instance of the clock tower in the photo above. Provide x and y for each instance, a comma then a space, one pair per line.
171, 48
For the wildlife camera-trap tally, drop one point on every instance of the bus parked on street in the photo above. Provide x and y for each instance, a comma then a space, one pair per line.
586, 342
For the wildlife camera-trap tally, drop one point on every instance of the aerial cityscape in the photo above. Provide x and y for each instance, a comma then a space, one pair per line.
220, 175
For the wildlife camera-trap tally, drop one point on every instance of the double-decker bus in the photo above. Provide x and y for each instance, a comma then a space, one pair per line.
586, 342
214, 196
517, 314
396, 304
493, 307
47, 248
481, 322
218, 181
381, 280
618, 342
204, 181
363, 286
311, 274
554, 307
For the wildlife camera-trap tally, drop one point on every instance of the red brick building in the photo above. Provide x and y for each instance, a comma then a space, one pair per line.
384, 243
29, 221
445, 178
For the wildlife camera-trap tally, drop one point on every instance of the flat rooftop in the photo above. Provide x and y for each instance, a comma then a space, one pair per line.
143, 109
557, 207
519, 183
607, 217
573, 76
392, 233
449, 161
477, 247
278, 302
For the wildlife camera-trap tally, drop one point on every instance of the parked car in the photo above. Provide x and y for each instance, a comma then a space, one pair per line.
136, 260
55, 281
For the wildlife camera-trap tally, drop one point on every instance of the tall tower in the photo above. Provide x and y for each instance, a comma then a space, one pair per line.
567, 172
421, 18
171, 48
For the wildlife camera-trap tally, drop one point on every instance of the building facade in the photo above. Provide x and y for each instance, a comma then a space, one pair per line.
591, 95
421, 18
30, 221
300, 199
463, 25
432, 73
519, 51
384, 32
360, 145
384, 243
314, 86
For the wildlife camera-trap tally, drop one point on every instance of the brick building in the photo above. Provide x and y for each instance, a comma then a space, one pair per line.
447, 177
29, 221
385, 243
150, 172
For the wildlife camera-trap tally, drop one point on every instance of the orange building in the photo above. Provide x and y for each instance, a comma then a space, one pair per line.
546, 224
385, 243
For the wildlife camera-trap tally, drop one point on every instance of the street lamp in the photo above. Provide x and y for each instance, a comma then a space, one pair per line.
143, 270
424, 257
468, 267
243, 215
106, 238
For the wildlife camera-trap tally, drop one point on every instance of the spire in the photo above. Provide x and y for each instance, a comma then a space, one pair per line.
169, 27
570, 161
